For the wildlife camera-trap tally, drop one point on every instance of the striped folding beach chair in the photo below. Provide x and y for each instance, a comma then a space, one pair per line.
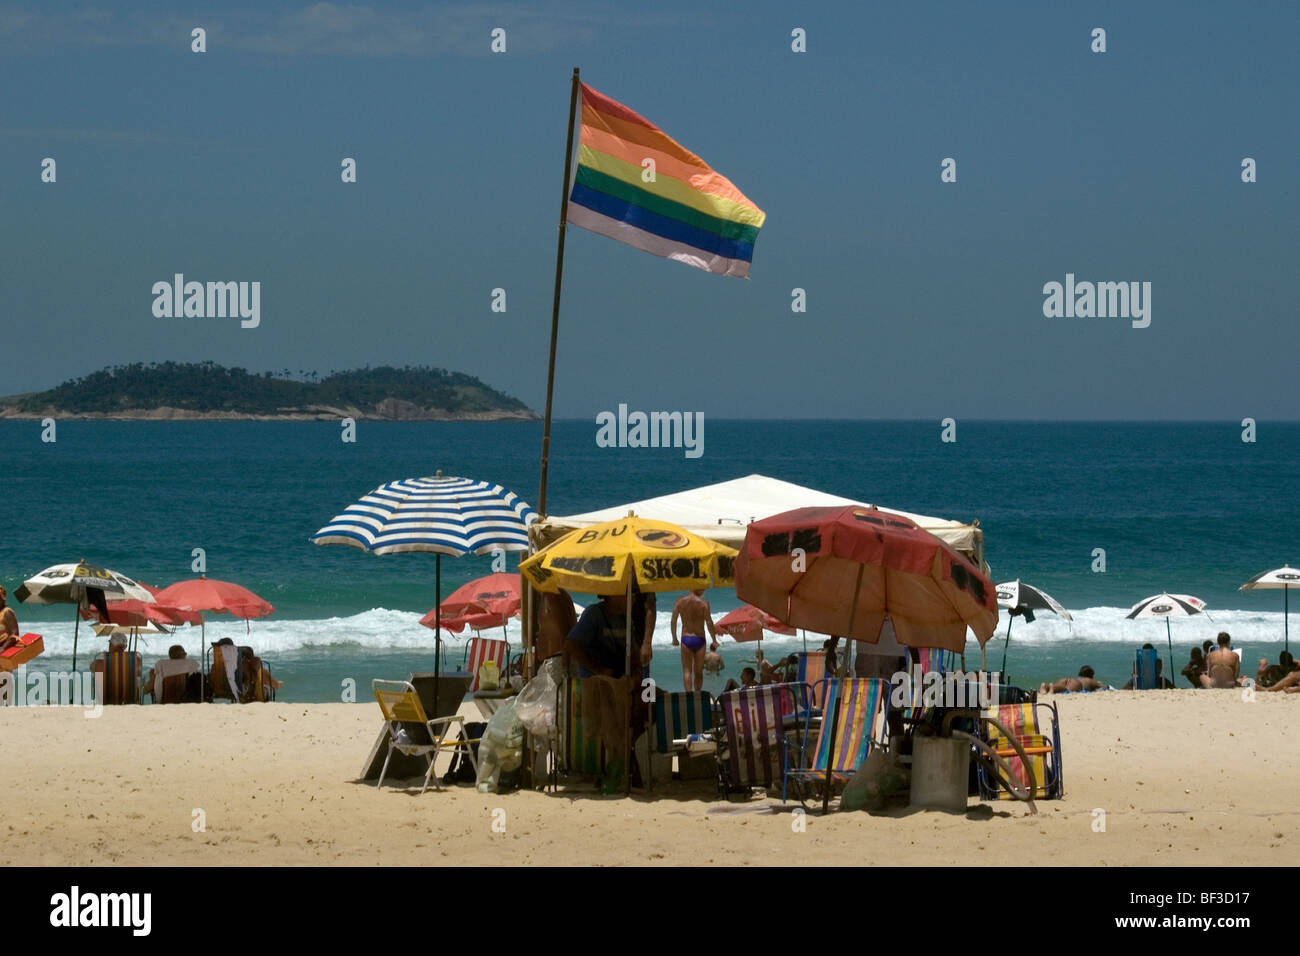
678, 715
931, 660
580, 755
483, 649
858, 710
750, 755
122, 680
812, 671
1042, 745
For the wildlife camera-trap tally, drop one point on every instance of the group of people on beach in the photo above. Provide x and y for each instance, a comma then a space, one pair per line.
1213, 665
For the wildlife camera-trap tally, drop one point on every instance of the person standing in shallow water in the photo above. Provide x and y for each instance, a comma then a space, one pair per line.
696, 615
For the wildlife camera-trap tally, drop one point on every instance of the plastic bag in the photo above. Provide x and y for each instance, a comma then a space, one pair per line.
535, 704
489, 676
502, 747
881, 776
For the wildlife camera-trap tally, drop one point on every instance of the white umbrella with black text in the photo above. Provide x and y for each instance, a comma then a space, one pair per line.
1022, 600
1166, 606
1285, 578
80, 584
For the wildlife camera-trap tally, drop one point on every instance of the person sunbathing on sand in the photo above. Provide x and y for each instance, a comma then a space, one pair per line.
1269, 674
1073, 685
1288, 681
1222, 666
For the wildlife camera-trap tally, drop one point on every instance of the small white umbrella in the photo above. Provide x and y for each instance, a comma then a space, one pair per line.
1285, 578
1166, 605
1024, 599
132, 631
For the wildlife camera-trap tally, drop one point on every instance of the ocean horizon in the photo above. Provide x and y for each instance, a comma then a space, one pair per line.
1175, 506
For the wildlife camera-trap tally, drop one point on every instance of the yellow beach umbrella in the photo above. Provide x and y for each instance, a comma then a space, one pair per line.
609, 558
606, 558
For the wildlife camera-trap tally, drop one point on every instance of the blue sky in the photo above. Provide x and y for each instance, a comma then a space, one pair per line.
924, 298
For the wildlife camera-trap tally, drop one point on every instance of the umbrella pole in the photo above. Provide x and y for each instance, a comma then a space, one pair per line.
835, 718
1010, 620
76, 624
1286, 611
437, 631
1169, 636
627, 671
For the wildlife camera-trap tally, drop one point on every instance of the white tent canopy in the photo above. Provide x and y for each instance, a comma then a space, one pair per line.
721, 512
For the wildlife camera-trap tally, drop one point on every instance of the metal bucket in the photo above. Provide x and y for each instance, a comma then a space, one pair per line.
940, 773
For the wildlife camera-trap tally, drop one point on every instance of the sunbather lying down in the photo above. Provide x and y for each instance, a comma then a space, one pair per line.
1290, 684
1073, 685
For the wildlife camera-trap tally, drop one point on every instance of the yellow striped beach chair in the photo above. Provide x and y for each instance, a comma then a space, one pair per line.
1041, 744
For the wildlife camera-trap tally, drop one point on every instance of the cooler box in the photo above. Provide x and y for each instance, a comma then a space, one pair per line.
28, 647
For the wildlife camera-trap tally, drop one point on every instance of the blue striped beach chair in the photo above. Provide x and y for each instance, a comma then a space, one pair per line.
675, 716
678, 715
812, 671
858, 710
750, 755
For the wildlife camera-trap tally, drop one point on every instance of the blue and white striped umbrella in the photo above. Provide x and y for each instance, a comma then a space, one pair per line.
455, 516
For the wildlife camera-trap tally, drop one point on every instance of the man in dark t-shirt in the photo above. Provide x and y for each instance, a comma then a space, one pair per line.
598, 642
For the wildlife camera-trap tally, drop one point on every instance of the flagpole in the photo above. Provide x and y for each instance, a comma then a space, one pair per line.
555, 305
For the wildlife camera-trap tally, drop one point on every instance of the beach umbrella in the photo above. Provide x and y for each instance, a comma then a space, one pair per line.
612, 557
489, 601
1023, 600
209, 594
444, 515
132, 631
747, 623
1285, 577
842, 570
80, 584
1166, 606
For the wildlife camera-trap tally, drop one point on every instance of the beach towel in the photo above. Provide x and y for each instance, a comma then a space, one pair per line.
604, 710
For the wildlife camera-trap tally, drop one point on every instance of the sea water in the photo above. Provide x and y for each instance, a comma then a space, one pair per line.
1180, 507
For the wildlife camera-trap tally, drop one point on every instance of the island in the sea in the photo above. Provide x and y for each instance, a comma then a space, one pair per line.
161, 391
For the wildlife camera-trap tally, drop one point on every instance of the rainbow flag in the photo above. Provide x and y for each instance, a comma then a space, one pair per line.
677, 207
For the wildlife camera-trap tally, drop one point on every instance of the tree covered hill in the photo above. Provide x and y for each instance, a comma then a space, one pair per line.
205, 389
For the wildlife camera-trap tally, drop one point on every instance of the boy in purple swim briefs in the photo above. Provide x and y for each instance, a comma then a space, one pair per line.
696, 615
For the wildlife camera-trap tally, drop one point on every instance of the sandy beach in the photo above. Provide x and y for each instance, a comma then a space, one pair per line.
1185, 777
